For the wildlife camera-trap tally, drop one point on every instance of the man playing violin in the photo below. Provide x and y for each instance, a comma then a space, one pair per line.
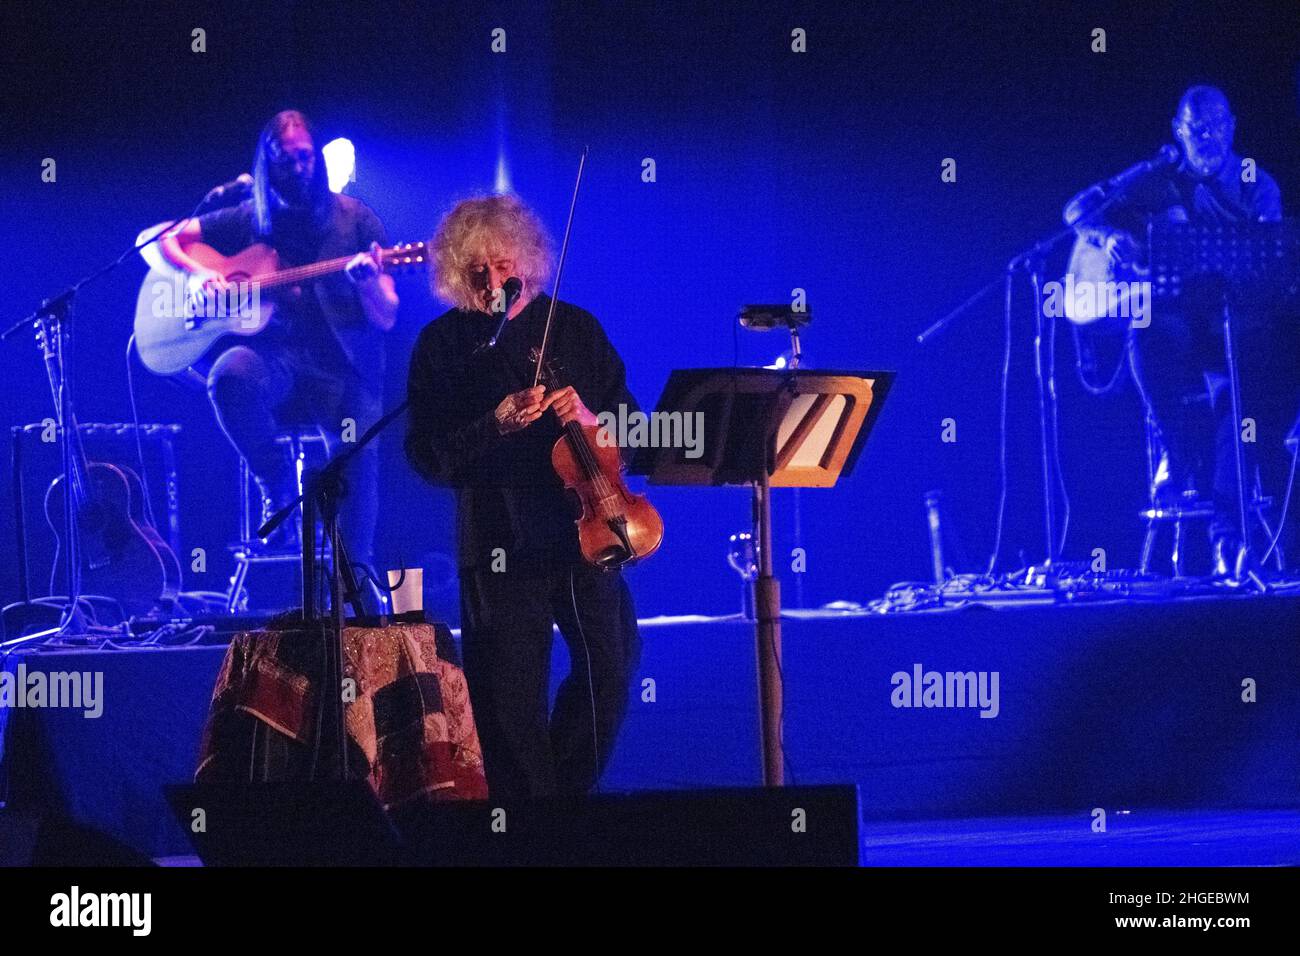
321, 362
479, 426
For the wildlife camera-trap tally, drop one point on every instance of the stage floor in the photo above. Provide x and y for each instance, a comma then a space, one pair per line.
1140, 838
1184, 712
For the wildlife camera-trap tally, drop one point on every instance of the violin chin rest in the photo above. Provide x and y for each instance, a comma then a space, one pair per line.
612, 558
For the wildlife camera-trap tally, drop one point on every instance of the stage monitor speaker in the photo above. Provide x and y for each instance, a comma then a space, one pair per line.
322, 823
343, 825
33, 839
741, 827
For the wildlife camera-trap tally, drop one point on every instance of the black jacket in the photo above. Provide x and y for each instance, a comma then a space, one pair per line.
507, 493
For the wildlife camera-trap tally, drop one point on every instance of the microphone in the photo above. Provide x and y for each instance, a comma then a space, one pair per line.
241, 184
511, 287
1088, 201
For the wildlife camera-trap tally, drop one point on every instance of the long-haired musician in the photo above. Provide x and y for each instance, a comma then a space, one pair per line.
477, 426
322, 360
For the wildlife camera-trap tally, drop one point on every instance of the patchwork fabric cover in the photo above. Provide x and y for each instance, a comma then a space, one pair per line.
408, 707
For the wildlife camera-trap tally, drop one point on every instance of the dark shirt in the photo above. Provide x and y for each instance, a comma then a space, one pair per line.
1176, 195
325, 328
1173, 194
507, 493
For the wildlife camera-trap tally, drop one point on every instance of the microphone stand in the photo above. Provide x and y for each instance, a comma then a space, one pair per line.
512, 293
1031, 261
323, 491
53, 323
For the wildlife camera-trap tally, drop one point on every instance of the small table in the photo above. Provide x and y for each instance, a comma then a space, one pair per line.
410, 725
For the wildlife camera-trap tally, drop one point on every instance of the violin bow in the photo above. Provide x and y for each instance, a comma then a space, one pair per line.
559, 269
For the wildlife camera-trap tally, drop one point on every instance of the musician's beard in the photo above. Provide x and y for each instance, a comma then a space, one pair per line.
1206, 164
293, 192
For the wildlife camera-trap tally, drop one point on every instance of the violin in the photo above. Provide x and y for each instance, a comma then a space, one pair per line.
616, 527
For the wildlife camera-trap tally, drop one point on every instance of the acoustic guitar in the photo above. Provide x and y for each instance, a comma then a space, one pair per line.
1091, 264
121, 555
171, 334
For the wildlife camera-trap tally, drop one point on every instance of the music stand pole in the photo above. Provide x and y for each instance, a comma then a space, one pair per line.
1242, 572
767, 428
767, 634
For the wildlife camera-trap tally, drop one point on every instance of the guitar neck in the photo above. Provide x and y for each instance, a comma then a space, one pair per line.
299, 274
51, 344
410, 254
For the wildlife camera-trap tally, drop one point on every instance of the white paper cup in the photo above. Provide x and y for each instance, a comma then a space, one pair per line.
410, 596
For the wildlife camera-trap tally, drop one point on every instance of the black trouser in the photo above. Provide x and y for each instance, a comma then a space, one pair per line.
1184, 378
1169, 365
506, 634
257, 394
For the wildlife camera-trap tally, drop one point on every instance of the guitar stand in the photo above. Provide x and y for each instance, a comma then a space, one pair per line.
53, 324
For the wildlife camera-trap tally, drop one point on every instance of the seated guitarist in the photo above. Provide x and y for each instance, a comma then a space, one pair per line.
321, 361
1177, 361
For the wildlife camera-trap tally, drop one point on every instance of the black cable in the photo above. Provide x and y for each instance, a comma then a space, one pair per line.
591, 688
1083, 378
71, 476
139, 442
1002, 430
780, 723
1286, 504
1056, 437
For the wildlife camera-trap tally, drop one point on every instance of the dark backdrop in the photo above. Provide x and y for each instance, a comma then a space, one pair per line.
775, 170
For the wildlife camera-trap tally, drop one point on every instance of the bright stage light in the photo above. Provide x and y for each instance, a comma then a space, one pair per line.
502, 184
340, 163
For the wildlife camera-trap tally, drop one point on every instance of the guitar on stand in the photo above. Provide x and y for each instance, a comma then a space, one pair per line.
171, 334
105, 544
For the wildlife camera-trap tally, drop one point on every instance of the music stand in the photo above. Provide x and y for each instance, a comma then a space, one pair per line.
1242, 254
769, 429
